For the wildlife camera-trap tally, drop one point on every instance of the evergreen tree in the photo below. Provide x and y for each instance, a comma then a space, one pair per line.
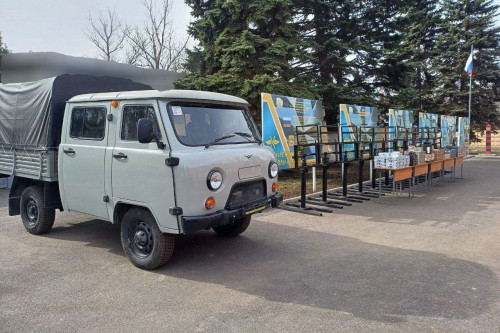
412, 81
246, 47
384, 53
210, 20
386, 64
466, 23
331, 34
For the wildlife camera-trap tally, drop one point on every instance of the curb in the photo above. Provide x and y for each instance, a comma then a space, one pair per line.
488, 156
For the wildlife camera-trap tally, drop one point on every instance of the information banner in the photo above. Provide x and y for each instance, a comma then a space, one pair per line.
355, 116
463, 131
448, 130
400, 119
280, 115
427, 121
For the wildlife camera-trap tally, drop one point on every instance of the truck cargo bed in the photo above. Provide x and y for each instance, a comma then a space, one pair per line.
29, 163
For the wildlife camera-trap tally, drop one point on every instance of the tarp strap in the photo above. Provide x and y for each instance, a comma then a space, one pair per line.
41, 165
13, 160
26, 152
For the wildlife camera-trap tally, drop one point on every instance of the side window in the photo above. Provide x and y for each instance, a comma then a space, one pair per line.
131, 116
88, 123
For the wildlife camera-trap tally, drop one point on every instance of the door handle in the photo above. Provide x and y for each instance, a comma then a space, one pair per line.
69, 151
121, 156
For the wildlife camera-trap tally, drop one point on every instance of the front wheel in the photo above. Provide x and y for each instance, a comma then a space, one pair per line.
143, 242
234, 229
36, 217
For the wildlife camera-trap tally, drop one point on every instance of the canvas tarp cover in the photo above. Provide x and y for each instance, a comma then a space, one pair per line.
24, 112
31, 113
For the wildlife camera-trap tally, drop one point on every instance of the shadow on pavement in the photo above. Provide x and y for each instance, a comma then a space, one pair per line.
96, 233
292, 265
444, 205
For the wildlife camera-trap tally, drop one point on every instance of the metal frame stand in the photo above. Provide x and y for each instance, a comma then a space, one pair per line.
300, 205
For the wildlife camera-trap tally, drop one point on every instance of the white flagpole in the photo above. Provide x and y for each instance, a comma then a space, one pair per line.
470, 81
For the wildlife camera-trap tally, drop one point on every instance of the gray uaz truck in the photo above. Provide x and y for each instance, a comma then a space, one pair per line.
159, 163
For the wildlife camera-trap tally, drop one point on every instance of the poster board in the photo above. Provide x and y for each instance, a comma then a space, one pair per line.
463, 131
448, 130
427, 120
280, 116
358, 116
400, 119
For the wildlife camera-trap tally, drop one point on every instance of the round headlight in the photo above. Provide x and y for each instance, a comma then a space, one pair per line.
273, 169
214, 180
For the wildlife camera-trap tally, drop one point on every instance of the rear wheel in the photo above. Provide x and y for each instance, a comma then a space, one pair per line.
37, 218
143, 242
234, 229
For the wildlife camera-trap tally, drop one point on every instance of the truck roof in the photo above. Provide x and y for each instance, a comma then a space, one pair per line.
174, 94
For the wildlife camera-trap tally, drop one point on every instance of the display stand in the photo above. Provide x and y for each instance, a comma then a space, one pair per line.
300, 206
324, 152
302, 164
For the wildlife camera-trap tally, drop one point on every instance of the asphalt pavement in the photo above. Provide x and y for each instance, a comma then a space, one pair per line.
429, 264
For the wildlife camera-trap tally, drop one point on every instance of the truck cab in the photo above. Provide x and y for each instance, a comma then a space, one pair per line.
164, 163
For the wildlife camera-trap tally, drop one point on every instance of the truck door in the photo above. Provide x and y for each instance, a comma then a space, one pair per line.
139, 174
83, 166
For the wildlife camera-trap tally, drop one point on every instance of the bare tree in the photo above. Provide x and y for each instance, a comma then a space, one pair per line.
107, 34
155, 44
133, 55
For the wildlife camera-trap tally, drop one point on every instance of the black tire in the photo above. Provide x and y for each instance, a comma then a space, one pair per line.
37, 218
234, 229
143, 242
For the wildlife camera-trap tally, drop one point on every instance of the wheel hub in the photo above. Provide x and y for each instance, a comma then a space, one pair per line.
141, 239
32, 211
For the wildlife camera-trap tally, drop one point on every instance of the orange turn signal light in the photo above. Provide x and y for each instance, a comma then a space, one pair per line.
114, 104
210, 203
274, 187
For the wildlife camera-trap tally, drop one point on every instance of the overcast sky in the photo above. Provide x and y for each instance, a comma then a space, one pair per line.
60, 25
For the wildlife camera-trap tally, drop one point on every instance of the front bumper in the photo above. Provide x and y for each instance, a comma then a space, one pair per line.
190, 224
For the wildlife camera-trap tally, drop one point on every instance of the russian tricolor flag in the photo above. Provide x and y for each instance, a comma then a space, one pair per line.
468, 65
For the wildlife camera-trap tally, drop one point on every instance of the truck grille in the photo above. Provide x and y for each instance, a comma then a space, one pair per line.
244, 193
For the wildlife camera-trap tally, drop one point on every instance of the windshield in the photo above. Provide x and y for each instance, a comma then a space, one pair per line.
206, 125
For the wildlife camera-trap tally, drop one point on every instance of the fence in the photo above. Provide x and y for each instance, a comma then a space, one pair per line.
495, 140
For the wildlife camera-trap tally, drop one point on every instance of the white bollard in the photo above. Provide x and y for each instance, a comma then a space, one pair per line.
314, 179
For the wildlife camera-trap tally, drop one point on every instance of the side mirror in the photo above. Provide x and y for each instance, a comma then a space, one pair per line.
145, 133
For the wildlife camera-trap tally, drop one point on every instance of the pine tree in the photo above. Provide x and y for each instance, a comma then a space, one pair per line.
466, 23
246, 47
414, 51
386, 64
384, 53
335, 34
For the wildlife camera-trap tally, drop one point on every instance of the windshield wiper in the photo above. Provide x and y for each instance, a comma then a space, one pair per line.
248, 136
219, 139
